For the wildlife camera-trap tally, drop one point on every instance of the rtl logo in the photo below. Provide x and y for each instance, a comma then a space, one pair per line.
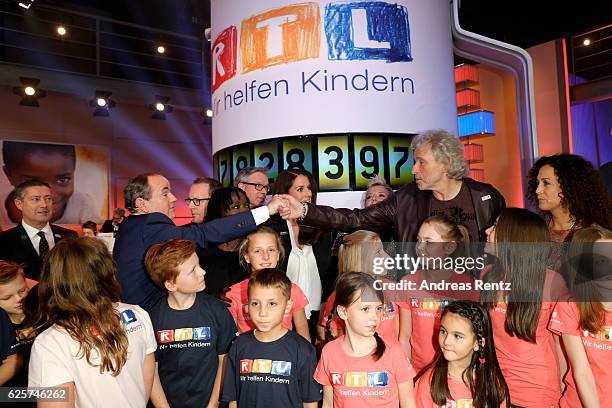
354, 31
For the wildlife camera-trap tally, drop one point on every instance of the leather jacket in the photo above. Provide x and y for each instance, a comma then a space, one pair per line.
404, 212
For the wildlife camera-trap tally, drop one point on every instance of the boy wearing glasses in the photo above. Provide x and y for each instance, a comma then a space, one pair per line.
254, 182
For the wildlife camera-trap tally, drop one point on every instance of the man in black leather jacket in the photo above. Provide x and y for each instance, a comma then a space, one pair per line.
440, 187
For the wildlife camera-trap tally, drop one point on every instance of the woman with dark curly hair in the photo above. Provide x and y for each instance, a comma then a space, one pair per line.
570, 194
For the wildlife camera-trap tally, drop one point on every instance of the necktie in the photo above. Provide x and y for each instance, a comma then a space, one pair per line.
43, 245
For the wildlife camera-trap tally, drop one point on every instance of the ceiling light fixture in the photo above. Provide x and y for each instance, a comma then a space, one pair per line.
160, 107
29, 91
102, 103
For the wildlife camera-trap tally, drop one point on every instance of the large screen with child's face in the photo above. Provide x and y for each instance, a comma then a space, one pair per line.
78, 176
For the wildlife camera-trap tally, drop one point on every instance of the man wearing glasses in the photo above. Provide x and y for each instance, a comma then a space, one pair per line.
254, 182
199, 195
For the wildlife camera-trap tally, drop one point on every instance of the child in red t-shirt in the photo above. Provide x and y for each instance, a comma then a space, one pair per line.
585, 326
439, 239
359, 369
466, 373
357, 253
528, 353
260, 250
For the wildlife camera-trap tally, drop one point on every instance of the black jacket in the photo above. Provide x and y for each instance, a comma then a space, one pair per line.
404, 212
322, 249
15, 245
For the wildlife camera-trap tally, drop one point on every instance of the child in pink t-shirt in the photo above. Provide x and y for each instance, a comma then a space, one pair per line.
260, 250
359, 369
586, 325
356, 254
467, 361
528, 353
440, 239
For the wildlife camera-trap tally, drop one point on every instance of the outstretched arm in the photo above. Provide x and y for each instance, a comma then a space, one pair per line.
377, 217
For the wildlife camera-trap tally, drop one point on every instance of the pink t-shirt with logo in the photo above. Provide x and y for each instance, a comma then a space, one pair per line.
362, 382
530, 369
386, 328
598, 348
425, 308
239, 307
459, 390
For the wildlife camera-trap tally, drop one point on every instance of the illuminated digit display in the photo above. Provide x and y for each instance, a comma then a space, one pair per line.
266, 155
333, 157
400, 161
297, 153
339, 162
241, 158
223, 169
369, 159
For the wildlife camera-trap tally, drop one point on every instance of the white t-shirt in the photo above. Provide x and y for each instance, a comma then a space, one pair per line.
53, 361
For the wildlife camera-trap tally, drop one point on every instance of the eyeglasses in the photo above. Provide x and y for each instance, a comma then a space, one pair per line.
258, 187
195, 201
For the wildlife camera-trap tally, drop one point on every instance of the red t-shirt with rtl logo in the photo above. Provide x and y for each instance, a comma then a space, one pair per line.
597, 346
240, 305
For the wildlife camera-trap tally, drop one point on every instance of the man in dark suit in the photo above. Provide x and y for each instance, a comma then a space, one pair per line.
29, 241
151, 203
112, 225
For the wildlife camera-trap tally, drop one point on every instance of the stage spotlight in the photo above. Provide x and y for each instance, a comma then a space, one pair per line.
102, 103
160, 107
26, 3
61, 30
586, 41
29, 91
161, 49
206, 115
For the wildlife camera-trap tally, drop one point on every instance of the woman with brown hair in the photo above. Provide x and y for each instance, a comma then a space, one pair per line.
571, 195
308, 262
528, 353
585, 325
100, 351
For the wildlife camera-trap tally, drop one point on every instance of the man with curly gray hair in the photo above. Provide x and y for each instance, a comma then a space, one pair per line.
440, 186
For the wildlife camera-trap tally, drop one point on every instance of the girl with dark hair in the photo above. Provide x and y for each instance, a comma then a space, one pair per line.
585, 325
467, 370
528, 353
99, 349
360, 358
357, 253
221, 261
570, 193
308, 263
439, 239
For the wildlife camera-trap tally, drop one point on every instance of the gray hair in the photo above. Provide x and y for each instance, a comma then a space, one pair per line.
447, 149
137, 187
20, 190
243, 174
376, 181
